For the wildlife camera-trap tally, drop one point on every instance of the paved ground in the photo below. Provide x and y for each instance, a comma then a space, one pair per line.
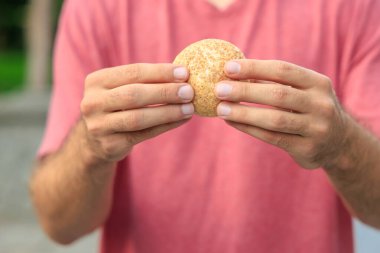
21, 125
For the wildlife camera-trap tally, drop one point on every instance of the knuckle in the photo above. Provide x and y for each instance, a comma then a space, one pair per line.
115, 74
283, 69
90, 79
269, 137
109, 148
321, 129
84, 108
280, 141
165, 92
95, 78
310, 151
279, 93
130, 95
115, 94
326, 107
94, 128
134, 72
297, 126
303, 99
88, 106
251, 67
132, 139
278, 122
326, 82
244, 91
134, 121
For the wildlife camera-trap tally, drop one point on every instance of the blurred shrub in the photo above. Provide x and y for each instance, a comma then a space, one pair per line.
12, 70
12, 55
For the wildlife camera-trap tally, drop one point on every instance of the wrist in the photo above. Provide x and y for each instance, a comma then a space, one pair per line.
89, 158
346, 156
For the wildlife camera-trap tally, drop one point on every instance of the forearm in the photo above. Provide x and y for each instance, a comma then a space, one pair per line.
355, 173
72, 193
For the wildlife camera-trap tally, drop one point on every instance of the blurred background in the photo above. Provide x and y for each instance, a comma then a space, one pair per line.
27, 31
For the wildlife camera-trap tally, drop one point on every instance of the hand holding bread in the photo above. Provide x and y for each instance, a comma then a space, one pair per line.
125, 105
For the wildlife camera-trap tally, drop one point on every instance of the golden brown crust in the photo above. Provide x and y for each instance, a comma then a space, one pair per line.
205, 60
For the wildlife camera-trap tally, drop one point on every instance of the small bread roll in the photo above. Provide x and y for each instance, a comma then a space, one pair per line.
205, 60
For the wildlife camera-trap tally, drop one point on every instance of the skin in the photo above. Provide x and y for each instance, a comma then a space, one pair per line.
306, 120
72, 188
221, 4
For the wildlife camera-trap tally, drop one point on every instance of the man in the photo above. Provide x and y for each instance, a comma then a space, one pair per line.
276, 178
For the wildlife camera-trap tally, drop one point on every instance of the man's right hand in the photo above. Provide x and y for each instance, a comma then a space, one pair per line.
125, 105
121, 107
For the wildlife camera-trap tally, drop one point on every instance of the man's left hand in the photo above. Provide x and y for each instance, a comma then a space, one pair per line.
301, 114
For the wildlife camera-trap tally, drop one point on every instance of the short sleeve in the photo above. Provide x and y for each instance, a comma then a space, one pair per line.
361, 81
78, 51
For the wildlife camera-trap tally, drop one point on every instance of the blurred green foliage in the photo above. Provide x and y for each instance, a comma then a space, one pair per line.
12, 43
12, 70
12, 53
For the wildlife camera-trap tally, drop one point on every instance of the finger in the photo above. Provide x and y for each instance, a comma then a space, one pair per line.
288, 142
139, 95
282, 96
137, 73
139, 136
138, 119
117, 145
275, 71
282, 140
262, 81
269, 119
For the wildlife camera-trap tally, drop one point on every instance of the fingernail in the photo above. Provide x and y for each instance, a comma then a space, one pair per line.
186, 92
180, 73
223, 89
232, 67
223, 110
187, 109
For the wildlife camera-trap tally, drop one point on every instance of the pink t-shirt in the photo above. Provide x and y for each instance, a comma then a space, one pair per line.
206, 187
